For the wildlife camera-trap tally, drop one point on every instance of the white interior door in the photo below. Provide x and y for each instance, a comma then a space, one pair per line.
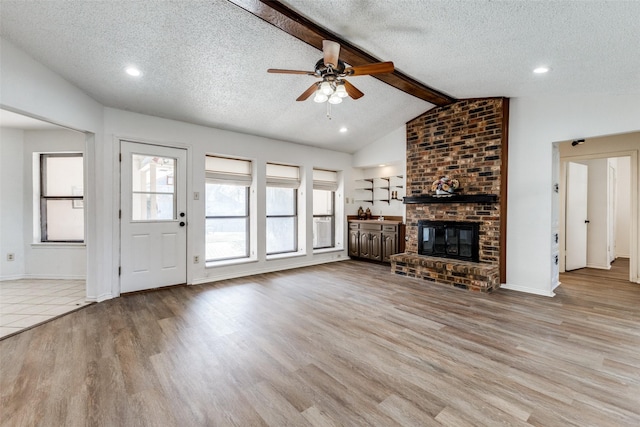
153, 232
576, 216
611, 220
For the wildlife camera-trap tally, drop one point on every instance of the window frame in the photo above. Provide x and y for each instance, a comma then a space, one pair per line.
295, 221
280, 175
326, 180
44, 198
231, 176
332, 217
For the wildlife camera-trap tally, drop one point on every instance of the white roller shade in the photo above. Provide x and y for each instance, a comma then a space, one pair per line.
325, 180
283, 176
228, 171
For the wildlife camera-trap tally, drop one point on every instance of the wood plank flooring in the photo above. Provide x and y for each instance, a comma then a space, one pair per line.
341, 344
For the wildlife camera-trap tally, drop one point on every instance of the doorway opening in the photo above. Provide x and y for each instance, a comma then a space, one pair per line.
44, 264
600, 230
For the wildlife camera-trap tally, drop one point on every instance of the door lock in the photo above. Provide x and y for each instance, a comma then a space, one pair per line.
182, 223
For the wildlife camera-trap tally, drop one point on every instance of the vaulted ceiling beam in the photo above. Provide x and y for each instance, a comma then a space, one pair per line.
309, 32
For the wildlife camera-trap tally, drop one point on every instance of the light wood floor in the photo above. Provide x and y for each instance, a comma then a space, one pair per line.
339, 344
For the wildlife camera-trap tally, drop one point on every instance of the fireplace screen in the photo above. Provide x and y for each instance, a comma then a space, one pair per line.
449, 239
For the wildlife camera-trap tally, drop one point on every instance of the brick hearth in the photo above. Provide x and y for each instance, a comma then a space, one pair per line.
465, 140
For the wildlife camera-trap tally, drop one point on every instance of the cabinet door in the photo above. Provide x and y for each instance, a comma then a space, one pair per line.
354, 240
389, 246
365, 244
375, 249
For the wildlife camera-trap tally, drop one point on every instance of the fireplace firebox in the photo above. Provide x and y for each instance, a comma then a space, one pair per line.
449, 239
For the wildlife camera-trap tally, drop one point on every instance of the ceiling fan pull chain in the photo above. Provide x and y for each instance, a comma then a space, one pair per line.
329, 110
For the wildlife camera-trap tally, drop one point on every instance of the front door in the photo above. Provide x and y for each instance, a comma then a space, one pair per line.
153, 232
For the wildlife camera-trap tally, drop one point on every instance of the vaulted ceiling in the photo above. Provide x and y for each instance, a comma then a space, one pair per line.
205, 62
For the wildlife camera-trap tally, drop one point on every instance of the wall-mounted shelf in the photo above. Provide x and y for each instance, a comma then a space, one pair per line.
454, 198
386, 188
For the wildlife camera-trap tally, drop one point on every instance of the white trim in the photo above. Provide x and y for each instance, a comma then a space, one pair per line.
528, 290
267, 269
54, 277
228, 262
599, 267
101, 297
14, 277
634, 243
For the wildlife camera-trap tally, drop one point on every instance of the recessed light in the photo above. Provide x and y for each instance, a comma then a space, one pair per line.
133, 71
382, 165
541, 70
343, 129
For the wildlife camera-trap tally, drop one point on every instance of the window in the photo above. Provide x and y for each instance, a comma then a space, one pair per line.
325, 184
282, 208
153, 193
61, 198
227, 208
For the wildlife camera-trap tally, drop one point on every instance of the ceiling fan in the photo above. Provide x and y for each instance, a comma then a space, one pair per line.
332, 70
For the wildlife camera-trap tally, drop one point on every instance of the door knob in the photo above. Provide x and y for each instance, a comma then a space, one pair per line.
182, 223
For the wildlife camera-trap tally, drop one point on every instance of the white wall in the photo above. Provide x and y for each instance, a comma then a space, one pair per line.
535, 123
200, 141
623, 207
48, 260
390, 151
11, 203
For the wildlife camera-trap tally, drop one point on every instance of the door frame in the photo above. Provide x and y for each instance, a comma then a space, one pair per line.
117, 248
634, 251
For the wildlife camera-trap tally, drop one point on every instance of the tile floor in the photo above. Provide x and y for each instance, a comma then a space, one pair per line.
28, 302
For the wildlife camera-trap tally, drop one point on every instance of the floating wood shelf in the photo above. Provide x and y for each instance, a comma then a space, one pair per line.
454, 198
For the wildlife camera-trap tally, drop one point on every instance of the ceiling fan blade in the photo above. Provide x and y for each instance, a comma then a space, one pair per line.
353, 91
375, 68
331, 52
278, 71
307, 93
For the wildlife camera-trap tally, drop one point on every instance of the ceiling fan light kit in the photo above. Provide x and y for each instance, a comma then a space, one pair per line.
333, 87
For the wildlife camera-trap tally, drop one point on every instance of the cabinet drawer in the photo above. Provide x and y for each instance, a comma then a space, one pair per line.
371, 227
392, 228
353, 226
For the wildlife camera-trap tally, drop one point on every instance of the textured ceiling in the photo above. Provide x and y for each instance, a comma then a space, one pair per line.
205, 62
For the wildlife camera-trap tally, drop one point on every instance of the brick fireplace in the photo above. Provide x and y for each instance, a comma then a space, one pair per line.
466, 140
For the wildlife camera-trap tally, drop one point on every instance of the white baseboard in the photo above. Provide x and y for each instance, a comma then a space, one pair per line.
267, 269
528, 290
42, 277
101, 297
14, 277
599, 267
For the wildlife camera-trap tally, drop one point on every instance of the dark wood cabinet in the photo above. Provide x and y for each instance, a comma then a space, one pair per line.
389, 245
354, 240
375, 240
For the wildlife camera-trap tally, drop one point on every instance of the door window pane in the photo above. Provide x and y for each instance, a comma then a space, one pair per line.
153, 188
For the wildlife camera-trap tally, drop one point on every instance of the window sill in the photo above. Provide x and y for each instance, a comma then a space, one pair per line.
58, 245
327, 250
285, 255
228, 262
